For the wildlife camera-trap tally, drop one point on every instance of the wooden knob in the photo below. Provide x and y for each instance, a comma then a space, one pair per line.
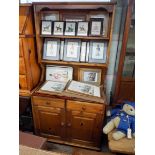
48, 103
83, 108
62, 123
69, 124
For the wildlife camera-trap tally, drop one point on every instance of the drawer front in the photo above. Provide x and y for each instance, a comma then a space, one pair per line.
85, 106
22, 69
45, 101
22, 81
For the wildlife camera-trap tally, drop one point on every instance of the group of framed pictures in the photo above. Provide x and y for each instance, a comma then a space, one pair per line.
65, 73
57, 78
75, 50
72, 28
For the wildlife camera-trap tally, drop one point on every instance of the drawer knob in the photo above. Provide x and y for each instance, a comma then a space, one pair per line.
83, 108
62, 123
48, 103
69, 124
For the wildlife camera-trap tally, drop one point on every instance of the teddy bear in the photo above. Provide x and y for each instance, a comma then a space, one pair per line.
123, 119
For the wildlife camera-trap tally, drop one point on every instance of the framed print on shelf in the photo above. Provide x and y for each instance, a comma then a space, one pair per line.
72, 50
82, 29
84, 88
83, 51
96, 26
70, 28
59, 73
97, 52
51, 49
46, 27
92, 76
50, 15
53, 86
58, 28
76, 17
101, 15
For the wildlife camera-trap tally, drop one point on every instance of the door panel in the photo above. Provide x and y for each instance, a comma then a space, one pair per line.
49, 121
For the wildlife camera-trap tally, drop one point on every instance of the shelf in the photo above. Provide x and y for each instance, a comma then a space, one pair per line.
74, 63
75, 37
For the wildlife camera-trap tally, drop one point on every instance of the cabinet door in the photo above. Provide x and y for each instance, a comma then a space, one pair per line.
84, 128
49, 122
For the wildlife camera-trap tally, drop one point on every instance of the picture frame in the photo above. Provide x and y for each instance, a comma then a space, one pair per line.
76, 17
97, 52
58, 28
92, 76
96, 26
46, 27
59, 73
72, 50
102, 15
51, 49
53, 86
50, 15
83, 28
84, 88
83, 51
70, 28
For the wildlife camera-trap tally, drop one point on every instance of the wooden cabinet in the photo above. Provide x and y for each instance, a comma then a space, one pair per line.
29, 71
65, 118
69, 121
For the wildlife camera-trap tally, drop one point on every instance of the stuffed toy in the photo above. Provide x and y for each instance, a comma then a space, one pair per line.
123, 119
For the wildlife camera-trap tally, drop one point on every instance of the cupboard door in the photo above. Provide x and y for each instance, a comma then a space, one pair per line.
49, 122
84, 128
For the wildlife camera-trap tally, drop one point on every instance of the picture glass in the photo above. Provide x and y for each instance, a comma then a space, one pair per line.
58, 28
57, 73
72, 49
82, 28
70, 28
46, 27
84, 88
90, 76
96, 28
51, 49
98, 50
53, 86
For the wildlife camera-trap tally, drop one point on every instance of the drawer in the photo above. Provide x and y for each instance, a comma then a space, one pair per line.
85, 106
46, 101
22, 69
22, 81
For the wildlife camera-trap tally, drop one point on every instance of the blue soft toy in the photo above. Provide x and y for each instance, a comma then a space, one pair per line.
123, 119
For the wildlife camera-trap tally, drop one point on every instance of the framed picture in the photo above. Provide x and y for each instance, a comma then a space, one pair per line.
70, 28
92, 76
50, 15
97, 52
83, 51
58, 28
84, 88
72, 50
96, 26
82, 29
59, 73
74, 17
51, 49
101, 15
53, 86
46, 27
